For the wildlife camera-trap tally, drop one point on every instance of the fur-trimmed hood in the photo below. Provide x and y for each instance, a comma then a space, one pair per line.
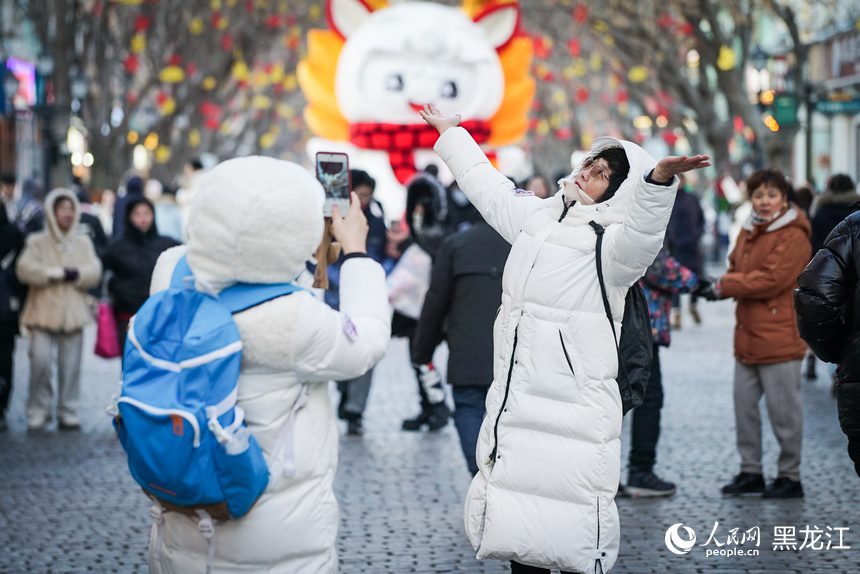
255, 220
51, 220
841, 199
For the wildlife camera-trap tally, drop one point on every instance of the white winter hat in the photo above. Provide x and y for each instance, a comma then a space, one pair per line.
254, 220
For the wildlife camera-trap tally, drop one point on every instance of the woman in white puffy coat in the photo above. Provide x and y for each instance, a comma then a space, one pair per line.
549, 447
258, 220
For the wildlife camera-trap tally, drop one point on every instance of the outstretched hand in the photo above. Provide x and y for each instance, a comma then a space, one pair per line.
437, 119
350, 231
669, 167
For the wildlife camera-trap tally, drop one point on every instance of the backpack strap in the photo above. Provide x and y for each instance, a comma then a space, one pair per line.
239, 297
598, 258
180, 273
243, 296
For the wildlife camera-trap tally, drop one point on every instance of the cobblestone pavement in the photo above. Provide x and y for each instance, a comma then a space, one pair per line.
67, 503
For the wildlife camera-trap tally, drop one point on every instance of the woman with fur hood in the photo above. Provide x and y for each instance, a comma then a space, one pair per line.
838, 202
258, 220
58, 265
549, 448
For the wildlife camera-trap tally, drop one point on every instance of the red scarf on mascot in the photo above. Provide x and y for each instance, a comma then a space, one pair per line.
401, 140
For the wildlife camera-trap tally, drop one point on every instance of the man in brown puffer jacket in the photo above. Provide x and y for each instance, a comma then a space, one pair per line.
58, 265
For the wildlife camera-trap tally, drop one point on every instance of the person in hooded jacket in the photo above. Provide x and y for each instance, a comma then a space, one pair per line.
133, 191
838, 202
772, 249
292, 347
828, 316
549, 448
131, 259
428, 220
58, 266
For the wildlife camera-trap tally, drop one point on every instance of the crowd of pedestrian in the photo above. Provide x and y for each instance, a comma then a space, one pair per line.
500, 271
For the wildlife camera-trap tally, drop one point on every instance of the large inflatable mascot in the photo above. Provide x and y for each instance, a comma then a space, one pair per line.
366, 78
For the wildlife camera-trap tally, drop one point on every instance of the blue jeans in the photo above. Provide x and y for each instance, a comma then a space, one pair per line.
469, 411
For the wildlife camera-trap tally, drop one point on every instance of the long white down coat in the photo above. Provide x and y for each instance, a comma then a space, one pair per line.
258, 220
547, 496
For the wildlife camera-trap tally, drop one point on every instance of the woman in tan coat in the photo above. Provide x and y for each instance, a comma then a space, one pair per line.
772, 249
58, 265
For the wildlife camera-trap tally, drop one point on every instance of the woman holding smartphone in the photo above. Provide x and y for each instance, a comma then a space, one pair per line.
549, 449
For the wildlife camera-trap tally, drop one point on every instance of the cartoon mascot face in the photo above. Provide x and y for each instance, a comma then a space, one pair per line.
366, 79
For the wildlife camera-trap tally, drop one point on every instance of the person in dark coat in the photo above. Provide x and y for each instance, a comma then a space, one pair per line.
11, 297
132, 259
683, 237
133, 192
465, 293
828, 317
832, 206
430, 220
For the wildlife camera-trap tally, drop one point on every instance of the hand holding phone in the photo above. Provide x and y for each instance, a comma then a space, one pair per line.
350, 230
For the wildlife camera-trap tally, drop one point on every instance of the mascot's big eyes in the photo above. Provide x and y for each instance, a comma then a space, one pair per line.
394, 83
449, 90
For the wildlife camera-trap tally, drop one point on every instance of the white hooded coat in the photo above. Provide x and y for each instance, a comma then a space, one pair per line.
549, 447
258, 220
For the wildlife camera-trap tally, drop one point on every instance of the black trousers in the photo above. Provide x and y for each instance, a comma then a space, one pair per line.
645, 427
517, 568
8, 331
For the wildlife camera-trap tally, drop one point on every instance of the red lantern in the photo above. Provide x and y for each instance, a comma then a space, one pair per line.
580, 13
581, 95
669, 137
226, 42
161, 97
130, 64
141, 23
273, 21
622, 97
542, 47
174, 60
211, 124
573, 47
190, 69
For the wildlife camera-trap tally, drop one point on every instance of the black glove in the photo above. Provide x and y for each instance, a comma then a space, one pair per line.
70, 274
705, 290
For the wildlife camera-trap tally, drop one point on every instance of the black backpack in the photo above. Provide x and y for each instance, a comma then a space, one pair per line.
636, 348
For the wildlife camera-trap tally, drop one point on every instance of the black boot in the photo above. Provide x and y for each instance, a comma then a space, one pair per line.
744, 484
415, 424
438, 417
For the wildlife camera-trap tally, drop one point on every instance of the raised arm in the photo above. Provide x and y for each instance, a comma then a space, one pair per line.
490, 191
633, 246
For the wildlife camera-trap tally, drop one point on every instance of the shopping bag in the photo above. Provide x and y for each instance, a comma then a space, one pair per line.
107, 340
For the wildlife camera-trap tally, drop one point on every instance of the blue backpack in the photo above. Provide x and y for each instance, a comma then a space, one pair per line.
178, 421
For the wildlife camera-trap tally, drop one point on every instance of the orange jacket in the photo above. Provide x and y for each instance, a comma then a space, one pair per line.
763, 271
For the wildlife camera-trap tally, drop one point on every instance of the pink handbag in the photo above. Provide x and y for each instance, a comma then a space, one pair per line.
107, 340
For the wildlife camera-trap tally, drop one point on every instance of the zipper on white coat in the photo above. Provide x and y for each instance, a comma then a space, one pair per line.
504, 400
159, 412
567, 206
566, 355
